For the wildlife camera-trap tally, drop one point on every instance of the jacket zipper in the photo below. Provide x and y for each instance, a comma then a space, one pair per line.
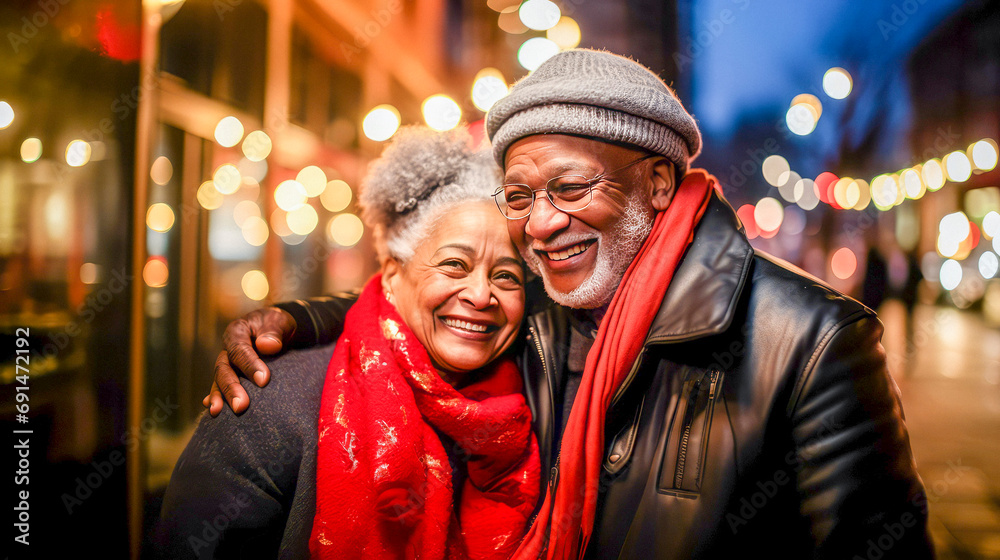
686, 435
689, 421
554, 471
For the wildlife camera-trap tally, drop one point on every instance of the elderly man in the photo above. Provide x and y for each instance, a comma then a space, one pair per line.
692, 397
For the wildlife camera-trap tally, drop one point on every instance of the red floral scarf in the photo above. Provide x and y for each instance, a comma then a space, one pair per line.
383, 479
566, 520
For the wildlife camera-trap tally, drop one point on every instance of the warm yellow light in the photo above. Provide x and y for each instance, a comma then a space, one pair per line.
244, 210
255, 285
229, 132
302, 220
852, 194
31, 150
864, 195
441, 112
290, 195
840, 196
539, 14
161, 171
958, 167
885, 192
381, 123
88, 273
510, 21
768, 213
810, 101
160, 217
279, 223
488, 88
208, 196
991, 224
933, 174
984, 154
566, 33
773, 169
337, 196
844, 263
78, 153
257, 145
313, 179
6, 114
533, 52
837, 83
155, 273
227, 178
255, 230
345, 230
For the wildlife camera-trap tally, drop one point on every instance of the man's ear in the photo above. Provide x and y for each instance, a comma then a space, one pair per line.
664, 184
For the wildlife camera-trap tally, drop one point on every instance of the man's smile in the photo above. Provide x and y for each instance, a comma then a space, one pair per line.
567, 252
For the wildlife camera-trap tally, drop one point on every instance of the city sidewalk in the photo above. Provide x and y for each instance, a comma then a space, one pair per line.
949, 375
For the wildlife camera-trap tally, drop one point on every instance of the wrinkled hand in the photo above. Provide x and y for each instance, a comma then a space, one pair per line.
267, 329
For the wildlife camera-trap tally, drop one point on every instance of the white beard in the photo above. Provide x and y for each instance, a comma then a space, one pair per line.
616, 249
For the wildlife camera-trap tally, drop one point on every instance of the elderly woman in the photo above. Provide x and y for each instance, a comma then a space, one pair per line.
417, 442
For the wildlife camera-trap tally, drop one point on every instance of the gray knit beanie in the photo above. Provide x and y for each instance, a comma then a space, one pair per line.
600, 95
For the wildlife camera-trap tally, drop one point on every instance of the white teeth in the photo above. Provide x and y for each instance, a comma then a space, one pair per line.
567, 253
465, 325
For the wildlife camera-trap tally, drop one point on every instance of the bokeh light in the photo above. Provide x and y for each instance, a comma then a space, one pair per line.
208, 196
229, 132
566, 33
255, 285
6, 114
255, 230
337, 196
951, 274
488, 88
746, 216
932, 174
244, 210
155, 273
441, 112
769, 213
381, 123
535, 51
837, 83
844, 263
160, 217
302, 220
78, 153
290, 195
988, 264
957, 166
801, 119
161, 171
912, 184
509, 20
991, 224
539, 14
345, 230
805, 194
31, 150
227, 178
786, 186
313, 179
773, 168
257, 146
983, 154
89, 273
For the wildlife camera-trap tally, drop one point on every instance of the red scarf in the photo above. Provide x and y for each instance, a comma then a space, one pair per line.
383, 480
566, 520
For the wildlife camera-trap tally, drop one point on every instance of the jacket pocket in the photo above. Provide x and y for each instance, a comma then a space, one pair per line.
686, 448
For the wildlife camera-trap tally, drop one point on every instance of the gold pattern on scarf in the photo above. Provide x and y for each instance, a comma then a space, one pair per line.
322, 536
390, 438
391, 330
368, 358
350, 442
436, 468
338, 411
381, 472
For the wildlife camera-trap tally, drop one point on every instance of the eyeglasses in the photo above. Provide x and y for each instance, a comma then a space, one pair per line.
567, 193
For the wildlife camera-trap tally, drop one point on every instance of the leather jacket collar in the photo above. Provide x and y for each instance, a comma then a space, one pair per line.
705, 289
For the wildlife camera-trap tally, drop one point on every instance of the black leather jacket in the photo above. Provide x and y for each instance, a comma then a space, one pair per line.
759, 417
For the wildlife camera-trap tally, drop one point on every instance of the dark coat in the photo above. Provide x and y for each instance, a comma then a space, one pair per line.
759, 418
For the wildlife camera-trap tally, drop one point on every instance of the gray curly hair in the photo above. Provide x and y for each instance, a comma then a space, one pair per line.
419, 176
